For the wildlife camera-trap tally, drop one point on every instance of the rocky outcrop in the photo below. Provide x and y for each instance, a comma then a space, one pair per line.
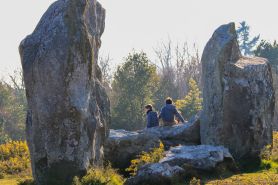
182, 161
238, 97
123, 146
68, 109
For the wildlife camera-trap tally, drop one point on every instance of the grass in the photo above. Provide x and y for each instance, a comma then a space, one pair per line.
257, 178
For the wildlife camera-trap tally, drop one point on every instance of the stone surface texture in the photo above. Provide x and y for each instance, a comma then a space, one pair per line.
68, 109
122, 146
238, 96
183, 161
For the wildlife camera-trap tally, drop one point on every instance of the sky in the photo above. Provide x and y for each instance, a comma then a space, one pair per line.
141, 24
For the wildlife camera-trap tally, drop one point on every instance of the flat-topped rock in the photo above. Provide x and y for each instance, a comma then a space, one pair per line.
122, 146
245, 62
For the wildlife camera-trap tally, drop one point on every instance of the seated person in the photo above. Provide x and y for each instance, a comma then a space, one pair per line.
152, 118
168, 113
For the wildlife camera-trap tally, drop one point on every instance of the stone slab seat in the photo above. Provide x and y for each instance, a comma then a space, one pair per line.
122, 146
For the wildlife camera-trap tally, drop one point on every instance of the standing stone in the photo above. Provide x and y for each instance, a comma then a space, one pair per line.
238, 97
68, 109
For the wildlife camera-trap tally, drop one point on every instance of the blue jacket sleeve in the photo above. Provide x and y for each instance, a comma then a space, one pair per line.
179, 115
148, 121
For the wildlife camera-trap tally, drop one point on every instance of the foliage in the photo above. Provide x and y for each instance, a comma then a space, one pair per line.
192, 102
134, 85
2, 175
270, 165
258, 178
153, 156
26, 182
270, 155
12, 181
270, 51
106, 71
106, 176
246, 44
14, 157
177, 65
12, 109
274, 152
195, 181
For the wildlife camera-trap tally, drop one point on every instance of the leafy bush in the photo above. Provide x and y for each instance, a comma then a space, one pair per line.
106, 176
14, 157
270, 155
270, 165
195, 181
2, 175
26, 182
274, 152
192, 102
12, 108
153, 156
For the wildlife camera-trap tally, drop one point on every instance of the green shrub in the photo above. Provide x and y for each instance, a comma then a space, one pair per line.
98, 176
191, 104
26, 182
195, 181
269, 165
14, 157
153, 156
2, 175
270, 155
274, 152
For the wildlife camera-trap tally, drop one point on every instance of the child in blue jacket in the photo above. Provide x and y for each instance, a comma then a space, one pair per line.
152, 118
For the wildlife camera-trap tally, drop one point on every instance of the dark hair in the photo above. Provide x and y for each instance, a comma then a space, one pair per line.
149, 106
169, 100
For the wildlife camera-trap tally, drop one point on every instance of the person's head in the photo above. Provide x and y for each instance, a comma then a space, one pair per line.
148, 107
169, 100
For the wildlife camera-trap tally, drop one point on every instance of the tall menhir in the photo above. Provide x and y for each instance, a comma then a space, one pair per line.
68, 109
238, 97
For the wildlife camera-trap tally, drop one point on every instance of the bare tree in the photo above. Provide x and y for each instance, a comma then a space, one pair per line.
178, 65
167, 71
105, 66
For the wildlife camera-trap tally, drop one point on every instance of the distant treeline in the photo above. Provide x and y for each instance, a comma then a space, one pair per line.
175, 72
